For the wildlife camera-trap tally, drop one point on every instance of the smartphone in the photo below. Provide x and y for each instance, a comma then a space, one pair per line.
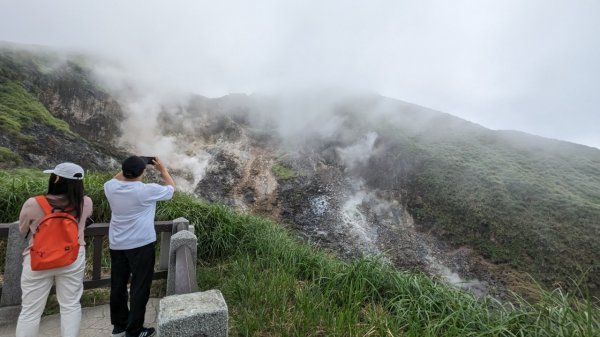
148, 160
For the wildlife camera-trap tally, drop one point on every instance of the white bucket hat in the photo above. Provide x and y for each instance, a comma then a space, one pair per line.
67, 170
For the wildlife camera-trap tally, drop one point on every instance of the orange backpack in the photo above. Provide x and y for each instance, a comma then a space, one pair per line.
56, 240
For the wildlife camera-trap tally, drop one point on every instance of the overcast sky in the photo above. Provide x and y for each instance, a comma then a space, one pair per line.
529, 65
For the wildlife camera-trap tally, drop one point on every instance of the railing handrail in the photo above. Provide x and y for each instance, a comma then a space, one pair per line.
94, 229
4, 227
96, 232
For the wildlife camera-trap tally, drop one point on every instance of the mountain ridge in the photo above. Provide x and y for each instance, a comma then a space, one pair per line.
365, 175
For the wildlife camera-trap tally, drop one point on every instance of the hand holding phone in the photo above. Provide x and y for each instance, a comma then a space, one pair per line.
148, 160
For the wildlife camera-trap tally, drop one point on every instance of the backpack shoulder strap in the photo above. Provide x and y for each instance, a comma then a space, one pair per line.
44, 204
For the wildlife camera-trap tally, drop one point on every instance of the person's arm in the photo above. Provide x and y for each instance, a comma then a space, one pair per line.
88, 206
25, 217
168, 180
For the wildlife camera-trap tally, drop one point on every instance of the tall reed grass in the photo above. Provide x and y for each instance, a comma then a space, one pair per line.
277, 286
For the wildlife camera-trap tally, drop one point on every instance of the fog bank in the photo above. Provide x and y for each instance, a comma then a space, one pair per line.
529, 66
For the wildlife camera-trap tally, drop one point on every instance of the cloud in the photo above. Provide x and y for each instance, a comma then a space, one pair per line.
525, 65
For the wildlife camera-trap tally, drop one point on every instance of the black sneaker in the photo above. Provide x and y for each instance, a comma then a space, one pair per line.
118, 332
145, 332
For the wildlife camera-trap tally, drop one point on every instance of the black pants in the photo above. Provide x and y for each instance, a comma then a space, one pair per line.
139, 263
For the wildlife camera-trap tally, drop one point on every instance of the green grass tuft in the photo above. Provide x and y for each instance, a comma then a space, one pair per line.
283, 172
19, 109
8, 158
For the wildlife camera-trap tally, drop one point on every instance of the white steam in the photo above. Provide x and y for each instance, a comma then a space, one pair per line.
359, 152
142, 135
142, 104
475, 286
356, 221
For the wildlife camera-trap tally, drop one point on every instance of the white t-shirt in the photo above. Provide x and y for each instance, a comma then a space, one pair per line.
133, 206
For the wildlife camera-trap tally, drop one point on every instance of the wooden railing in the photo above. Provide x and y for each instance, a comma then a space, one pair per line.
97, 232
4, 230
185, 279
177, 263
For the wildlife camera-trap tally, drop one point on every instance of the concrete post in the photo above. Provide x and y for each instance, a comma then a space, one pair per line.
179, 239
199, 314
180, 224
11, 289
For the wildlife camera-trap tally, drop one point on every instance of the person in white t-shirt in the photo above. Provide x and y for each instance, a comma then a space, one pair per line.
132, 241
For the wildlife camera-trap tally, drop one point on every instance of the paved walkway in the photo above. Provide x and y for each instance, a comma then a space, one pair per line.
95, 322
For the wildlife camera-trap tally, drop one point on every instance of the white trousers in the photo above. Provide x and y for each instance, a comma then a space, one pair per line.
36, 285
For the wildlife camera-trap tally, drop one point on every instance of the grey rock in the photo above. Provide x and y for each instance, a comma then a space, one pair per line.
201, 314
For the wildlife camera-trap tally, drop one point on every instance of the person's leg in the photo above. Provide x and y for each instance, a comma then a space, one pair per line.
35, 287
119, 274
69, 287
142, 269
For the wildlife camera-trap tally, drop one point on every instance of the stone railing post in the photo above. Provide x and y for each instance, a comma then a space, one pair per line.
10, 302
186, 239
165, 241
191, 313
181, 224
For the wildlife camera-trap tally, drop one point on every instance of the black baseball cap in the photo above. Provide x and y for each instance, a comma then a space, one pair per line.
133, 167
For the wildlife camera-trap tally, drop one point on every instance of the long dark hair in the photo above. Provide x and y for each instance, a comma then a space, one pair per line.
71, 188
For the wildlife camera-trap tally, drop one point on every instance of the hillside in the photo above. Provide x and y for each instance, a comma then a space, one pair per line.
51, 110
275, 285
369, 175
520, 200
500, 203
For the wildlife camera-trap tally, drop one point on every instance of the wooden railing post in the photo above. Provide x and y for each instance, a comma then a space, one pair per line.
165, 242
97, 259
96, 232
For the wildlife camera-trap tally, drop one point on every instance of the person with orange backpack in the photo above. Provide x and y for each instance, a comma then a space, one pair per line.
55, 254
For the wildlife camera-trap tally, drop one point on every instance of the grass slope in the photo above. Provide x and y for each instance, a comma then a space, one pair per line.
8, 158
276, 286
19, 109
534, 208
523, 201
